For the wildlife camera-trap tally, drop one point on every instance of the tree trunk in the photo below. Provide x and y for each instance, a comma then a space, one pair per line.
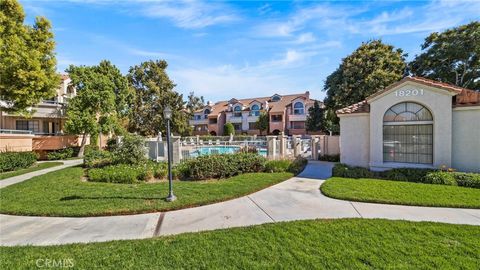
82, 146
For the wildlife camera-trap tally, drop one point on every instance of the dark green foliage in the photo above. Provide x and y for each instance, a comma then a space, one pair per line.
68, 152
315, 119
281, 165
331, 158
467, 179
263, 122
342, 170
10, 161
297, 165
222, 166
440, 178
121, 173
95, 158
228, 129
411, 174
452, 56
131, 150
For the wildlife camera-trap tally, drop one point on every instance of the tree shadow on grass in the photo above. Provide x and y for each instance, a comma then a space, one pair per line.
76, 197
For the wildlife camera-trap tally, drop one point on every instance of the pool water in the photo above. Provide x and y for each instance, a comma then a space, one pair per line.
209, 150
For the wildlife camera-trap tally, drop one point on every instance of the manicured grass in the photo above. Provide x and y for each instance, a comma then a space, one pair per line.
35, 167
325, 244
62, 193
397, 192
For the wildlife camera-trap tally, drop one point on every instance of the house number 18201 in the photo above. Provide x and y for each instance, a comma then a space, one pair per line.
409, 93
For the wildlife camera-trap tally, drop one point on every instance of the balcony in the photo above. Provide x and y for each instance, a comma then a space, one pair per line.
297, 117
252, 118
194, 122
235, 119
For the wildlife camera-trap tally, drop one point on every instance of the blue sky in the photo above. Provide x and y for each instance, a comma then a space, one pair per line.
240, 49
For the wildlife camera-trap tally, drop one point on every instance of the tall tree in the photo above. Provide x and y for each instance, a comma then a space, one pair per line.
153, 92
27, 59
370, 68
263, 122
194, 102
93, 110
315, 118
452, 56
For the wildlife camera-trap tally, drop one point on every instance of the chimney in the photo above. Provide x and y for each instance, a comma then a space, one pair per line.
307, 94
209, 103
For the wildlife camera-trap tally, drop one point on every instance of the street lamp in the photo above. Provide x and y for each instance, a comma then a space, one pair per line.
167, 114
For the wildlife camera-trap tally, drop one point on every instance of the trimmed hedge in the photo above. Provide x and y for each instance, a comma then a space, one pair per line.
10, 161
274, 166
62, 154
95, 158
117, 174
427, 176
220, 166
331, 158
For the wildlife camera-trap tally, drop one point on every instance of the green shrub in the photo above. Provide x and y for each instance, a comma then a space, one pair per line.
220, 166
342, 170
440, 178
10, 161
61, 154
331, 158
131, 150
297, 165
274, 166
406, 174
228, 129
95, 158
467, 179
122, 173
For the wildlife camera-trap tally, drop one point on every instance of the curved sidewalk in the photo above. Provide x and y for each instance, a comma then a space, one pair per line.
295, 199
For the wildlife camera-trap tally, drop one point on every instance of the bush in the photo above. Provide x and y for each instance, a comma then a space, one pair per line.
61, 154
10, 161
131, 150
467, 179
95, 158
297, 165
249, 149
228, 129
406, 174
331, 158
274, 166
122, 173
342, 170
441, 178
220, 166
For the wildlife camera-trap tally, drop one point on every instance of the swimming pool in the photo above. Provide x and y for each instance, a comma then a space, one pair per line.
221, 149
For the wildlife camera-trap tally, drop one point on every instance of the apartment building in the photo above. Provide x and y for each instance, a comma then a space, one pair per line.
43, 131
287, 114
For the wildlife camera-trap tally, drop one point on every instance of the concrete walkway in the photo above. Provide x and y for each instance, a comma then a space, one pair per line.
298, 198
20, 178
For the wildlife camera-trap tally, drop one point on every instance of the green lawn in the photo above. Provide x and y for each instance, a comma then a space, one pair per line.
397, 192
35, 167
62, 193
321, 244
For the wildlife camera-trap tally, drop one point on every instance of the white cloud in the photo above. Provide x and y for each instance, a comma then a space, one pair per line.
191, 14
305, 38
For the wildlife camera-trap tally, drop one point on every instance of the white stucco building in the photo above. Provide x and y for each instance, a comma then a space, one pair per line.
415, 122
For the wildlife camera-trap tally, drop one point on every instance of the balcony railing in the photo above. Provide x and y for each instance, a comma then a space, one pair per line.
15, 131
198, 122
297, 117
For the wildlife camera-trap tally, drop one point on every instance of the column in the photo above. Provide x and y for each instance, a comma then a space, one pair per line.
271, 147
297, 145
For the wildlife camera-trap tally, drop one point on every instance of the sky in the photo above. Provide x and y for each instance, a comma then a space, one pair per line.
222, 49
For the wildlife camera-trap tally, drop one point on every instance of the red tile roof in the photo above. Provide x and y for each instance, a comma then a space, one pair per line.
463, 97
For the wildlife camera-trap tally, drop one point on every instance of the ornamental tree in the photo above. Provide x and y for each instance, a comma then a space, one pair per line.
27, 60
262, 122
315, 118
452, 56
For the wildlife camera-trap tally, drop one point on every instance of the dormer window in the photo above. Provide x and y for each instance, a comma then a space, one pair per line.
298, 108
237, 111
276, 98
206, 112
255, 110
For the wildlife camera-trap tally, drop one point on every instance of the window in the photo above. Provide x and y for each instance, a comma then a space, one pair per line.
255, 110
31, 125
237, 111
206, 112
277, 118
276, 98
252, 126
197, 117
298, 125
298, 108
408, 134
237, 126
212, 121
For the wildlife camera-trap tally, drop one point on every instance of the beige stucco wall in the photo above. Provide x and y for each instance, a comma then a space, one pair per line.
466, 139
439, 102
15, 143
355, 139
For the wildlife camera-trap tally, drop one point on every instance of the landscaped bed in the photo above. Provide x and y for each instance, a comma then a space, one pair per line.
321, 244
64, 193
398, 192
35, 167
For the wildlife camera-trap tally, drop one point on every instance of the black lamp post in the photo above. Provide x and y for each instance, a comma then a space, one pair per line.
167, 113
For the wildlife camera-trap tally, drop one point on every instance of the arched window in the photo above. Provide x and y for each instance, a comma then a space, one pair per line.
408, 134
298, 108
276, 98
206, 112
237, 108
255, 110
237, 111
